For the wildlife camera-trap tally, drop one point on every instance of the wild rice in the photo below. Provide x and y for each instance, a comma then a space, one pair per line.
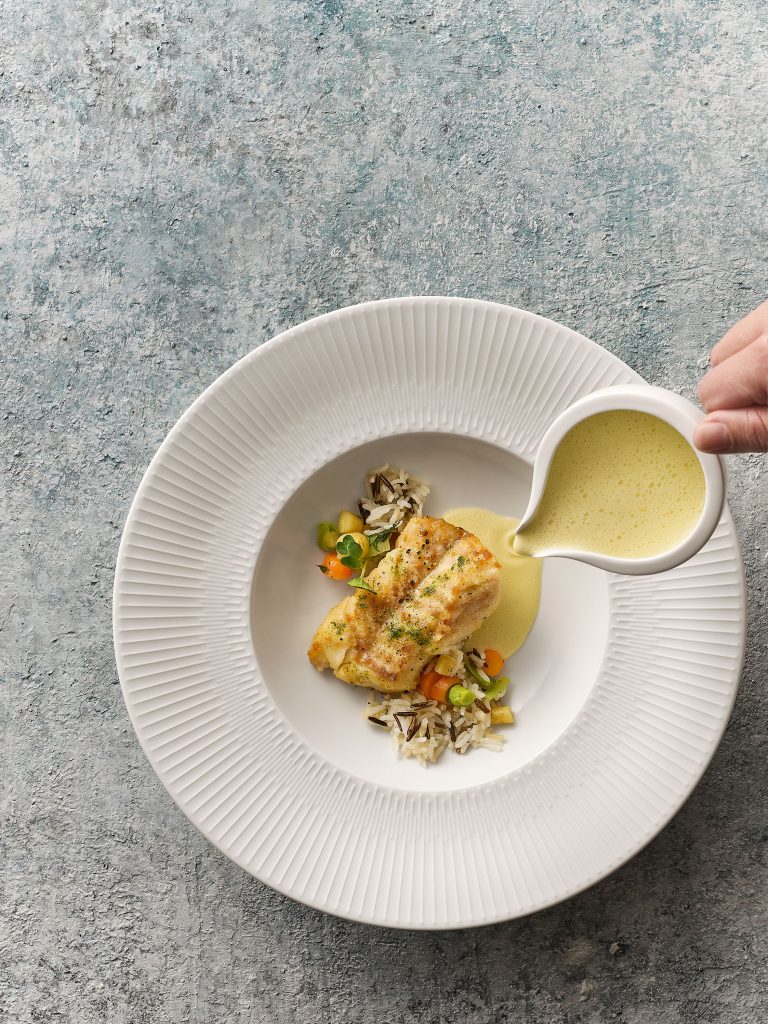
394, 495
433, 728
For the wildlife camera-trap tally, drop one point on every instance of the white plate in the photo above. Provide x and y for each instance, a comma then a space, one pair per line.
622, 691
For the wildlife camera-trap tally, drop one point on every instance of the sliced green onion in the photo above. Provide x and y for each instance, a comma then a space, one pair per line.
497, 688
477, 674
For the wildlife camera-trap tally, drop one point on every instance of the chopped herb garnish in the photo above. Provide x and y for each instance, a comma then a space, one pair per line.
395, 632
418, 635
339, 627
429, 590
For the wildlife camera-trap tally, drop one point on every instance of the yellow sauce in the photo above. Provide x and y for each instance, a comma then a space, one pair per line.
621, 483
506, 629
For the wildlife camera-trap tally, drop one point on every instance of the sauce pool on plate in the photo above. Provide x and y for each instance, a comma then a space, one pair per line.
508, 626
621, 483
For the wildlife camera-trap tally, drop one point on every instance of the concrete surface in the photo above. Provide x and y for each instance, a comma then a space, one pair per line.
179, 182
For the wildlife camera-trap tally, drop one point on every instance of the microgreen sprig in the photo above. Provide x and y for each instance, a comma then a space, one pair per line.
351, 554
360, 583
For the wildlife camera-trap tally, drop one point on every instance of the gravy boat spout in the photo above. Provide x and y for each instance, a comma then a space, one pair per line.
672, 409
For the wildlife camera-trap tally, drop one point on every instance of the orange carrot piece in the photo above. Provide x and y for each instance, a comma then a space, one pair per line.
441, 687
334, 570
494, 662
427, 681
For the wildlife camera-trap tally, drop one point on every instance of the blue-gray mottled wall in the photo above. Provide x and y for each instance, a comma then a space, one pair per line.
179, 182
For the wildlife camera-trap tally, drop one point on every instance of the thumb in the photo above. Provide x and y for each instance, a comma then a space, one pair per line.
733, 430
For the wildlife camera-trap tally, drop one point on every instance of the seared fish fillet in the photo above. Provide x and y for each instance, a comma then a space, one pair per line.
433, 590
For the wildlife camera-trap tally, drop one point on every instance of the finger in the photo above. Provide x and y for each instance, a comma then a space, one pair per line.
740, 335
740, 381
735, 430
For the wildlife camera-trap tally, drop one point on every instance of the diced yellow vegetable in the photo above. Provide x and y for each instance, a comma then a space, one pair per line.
502, 716
349, 523
360, 539
446, 665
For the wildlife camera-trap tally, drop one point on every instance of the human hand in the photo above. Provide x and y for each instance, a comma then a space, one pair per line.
734, 393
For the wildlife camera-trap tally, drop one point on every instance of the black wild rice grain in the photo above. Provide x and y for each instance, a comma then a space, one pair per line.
377, 721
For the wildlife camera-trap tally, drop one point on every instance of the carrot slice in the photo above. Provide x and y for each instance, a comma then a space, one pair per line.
441, 687
427, 681
494, 662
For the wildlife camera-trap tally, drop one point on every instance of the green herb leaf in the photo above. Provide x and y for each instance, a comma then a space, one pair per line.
361, 583
350, 553
379, 541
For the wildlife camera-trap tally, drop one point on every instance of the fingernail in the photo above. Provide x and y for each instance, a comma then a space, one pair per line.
713, 437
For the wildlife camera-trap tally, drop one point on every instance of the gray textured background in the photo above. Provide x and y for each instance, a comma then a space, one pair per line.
179, 182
